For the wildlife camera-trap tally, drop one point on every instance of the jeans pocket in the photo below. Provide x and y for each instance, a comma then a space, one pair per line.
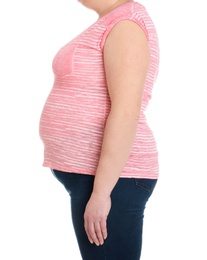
146, 184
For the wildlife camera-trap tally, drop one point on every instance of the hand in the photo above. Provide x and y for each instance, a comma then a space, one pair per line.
95, 216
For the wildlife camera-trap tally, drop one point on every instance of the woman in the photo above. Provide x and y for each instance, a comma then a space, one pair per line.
96, 138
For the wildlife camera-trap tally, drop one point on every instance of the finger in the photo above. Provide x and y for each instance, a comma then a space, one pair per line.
86, 229
99, 233
91, 233
104, 229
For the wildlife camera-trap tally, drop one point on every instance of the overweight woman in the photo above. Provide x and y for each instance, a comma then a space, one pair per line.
96, 139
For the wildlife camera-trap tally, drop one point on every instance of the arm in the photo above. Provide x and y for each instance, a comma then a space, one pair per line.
126, 59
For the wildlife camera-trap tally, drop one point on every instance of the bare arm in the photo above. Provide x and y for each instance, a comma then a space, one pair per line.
126, 59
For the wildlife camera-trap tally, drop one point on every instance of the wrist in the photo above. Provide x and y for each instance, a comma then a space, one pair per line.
99, 194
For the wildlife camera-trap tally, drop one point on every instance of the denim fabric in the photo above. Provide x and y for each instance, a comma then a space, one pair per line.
125, 220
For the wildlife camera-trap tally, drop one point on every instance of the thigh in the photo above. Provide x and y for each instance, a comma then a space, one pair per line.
125, 221
80, 187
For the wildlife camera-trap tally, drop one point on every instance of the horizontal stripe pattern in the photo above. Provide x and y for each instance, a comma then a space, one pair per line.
73, 118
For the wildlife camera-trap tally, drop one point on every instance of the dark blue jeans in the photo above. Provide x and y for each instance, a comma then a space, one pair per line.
125, 220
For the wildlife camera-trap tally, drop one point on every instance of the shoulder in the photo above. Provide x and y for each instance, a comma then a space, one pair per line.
124, 11
131, 12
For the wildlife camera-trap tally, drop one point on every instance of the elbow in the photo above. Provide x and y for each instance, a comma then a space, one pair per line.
130, 115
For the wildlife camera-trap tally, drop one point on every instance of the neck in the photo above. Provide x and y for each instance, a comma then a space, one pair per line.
109, 7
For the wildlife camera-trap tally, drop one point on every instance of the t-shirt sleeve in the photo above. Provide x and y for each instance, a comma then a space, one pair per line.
109, 26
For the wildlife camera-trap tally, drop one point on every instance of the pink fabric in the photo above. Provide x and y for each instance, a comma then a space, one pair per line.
73, 119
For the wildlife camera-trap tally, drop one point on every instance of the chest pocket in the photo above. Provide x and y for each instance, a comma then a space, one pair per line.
63, 61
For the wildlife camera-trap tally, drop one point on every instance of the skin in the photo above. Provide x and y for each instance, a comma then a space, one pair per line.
126, 66
102, 6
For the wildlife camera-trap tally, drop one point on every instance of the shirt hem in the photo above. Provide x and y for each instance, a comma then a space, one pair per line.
74, 170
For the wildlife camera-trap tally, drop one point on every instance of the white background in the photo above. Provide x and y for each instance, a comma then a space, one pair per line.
35, 218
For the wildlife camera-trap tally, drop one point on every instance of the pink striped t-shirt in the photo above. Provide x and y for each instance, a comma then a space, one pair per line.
73, 118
